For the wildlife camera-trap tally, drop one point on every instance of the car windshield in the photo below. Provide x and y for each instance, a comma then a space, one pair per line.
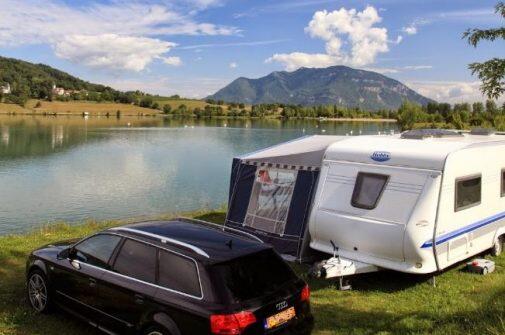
253, 276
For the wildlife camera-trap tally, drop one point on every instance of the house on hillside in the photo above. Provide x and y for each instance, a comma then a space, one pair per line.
6, 89
58, 90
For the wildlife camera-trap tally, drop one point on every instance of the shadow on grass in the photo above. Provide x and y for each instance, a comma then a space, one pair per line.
487, 318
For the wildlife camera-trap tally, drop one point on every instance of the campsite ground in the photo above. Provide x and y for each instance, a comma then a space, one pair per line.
381, 303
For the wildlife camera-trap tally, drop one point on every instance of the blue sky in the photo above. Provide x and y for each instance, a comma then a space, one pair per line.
194, 47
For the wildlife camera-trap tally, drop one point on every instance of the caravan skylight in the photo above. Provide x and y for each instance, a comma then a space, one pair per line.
419, 134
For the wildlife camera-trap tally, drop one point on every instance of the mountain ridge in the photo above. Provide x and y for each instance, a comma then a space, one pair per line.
339, 85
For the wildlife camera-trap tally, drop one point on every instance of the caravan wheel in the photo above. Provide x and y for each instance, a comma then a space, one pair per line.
498, 246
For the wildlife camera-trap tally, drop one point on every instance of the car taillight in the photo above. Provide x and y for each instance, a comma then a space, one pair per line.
231, 324
305, 296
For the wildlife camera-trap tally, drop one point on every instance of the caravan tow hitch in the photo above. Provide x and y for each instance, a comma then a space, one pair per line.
339, 267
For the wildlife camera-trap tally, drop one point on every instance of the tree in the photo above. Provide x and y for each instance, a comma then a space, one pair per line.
492, 72
491, 107
478, 107
409, 114
146, 101
167, 109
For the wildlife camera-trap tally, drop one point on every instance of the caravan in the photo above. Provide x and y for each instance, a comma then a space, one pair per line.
415, 202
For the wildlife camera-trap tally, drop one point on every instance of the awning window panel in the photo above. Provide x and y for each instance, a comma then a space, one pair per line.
270, 199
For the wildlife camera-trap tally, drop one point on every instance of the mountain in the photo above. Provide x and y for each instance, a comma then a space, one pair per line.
338, 85
36, 80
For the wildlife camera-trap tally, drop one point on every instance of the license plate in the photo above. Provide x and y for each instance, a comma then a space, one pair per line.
280, 318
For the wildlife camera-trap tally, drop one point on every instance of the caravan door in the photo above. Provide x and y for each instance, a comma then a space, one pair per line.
364, 209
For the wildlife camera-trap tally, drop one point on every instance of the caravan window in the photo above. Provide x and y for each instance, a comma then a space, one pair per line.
503, 183
270, 199
368, 190
468, 192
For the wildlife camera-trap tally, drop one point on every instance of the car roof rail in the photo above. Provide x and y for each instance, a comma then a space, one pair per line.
222, 227
163, 239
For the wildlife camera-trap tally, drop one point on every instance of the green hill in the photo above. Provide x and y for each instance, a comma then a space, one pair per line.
29, 80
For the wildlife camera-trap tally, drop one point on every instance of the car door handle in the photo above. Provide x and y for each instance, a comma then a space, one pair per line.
139, 299
92, 282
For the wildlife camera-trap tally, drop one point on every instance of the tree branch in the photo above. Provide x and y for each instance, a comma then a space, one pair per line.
492, 75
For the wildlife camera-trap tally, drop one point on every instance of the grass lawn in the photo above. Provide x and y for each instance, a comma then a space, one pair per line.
381, 303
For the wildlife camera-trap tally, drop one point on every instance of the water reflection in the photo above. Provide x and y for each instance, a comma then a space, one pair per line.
70, 168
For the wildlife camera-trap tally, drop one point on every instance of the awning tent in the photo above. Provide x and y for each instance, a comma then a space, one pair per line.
271, 192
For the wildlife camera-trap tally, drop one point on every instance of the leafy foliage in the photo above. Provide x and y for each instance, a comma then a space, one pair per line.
459, 116
492, 72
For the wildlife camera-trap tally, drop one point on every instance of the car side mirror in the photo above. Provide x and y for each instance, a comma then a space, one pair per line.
65, 253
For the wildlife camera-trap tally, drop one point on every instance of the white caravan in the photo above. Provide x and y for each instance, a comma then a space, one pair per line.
416, 203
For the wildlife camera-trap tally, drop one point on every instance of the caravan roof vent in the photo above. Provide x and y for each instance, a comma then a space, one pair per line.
419, 134
482, 131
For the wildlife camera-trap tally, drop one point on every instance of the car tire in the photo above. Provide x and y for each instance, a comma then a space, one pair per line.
497, 248
156, 330
38, 293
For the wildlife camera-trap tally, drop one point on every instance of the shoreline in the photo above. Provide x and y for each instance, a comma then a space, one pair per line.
160, 115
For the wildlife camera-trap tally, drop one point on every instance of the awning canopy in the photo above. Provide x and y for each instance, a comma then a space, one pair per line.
304, 153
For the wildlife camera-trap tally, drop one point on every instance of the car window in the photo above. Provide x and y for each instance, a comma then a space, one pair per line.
179, 273
137, 260
253, 276
468, 192
97, 249
368, 190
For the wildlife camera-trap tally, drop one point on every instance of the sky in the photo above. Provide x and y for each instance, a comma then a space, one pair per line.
195, 47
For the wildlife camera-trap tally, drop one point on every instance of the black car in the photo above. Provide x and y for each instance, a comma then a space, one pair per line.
171, 278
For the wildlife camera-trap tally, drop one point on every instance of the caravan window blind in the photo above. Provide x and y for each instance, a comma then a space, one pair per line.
270, 199
368, 190
468, 192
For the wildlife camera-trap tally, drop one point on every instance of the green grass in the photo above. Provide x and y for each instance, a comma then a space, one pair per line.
381, 303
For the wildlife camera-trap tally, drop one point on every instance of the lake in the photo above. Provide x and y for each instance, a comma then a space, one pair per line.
69, 168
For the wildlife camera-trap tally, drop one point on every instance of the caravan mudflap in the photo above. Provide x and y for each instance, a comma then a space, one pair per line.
338, 267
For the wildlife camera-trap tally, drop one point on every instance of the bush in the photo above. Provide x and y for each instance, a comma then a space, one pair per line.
167, 109
146, 102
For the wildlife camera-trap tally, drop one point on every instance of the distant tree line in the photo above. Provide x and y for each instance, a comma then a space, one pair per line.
457, 116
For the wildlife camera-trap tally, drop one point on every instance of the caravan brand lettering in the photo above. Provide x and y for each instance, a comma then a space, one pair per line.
381, 156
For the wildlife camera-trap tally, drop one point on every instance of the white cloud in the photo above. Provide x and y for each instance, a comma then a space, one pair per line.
112, 51
418, 67
382, 70
391, 70
296, 60
198, 47
171, 85
410, 30
449, 91
337, 29
174, 61
233, 65
470, 15
75, 31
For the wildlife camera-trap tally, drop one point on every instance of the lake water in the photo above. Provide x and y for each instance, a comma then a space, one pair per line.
72, 169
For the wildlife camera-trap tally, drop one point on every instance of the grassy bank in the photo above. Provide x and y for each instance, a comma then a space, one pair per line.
382, 303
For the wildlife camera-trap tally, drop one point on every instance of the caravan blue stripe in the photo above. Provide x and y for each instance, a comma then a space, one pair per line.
464, 230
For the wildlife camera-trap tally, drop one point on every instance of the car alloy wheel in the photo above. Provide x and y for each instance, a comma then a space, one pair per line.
37, 292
